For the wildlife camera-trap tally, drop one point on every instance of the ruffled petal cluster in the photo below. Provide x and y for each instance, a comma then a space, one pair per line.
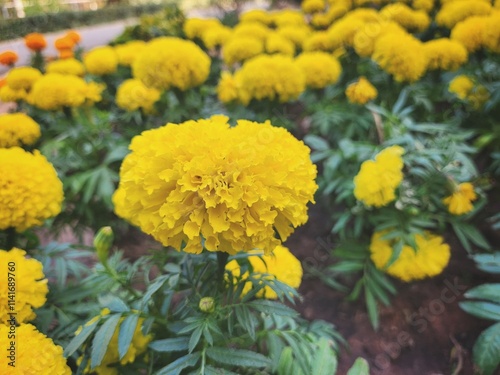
238, 49
23, 78
35, 353
281, 265
8, 58
361, 91
412, 20
203, 184
35, 42
377, 180
29, 285
429, 258
460, 202
69, 66
321, 69
132, 95
18, 129
30, 191
455, 11
101, 61
466, 89
445, 54
171, 63
128, 52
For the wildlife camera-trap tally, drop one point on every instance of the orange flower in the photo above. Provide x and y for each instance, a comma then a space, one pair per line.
3, 82
8, 58
66, 54
64, 43
35, 41
74, 36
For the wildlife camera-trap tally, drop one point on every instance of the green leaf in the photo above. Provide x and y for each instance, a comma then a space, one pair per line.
79, 339
286, 365
177, 344
238, 357
486, 351
325, 360
114, 303
347, 266
485, 310
475, 236
371, 305
180, 364
195, 338
360, 367
102, 339
126, 334
271, 307
317, 143
489, 292
209, 370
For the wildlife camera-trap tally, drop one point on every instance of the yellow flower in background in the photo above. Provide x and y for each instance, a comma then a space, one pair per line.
31, 191
128, 52
281, 265
455, 11
276, 43
272, 77
31, 286
35, 353
228, 88
425, 5
412, 20
230, 188
377, 180
445, 54
93, 92
285, 17
318, 41
216, 36
101, 61
461, 86
341, 33
470, 33
312, 6
67, 66
296, 34
460, 202
18, 129
22, 78
365, 38
238, 49
132, 95
429, 259
7, 94
321, 20
195, 27
361, 91
401, 55
256, 15
320, 68
169, 62
491, 32
251, 29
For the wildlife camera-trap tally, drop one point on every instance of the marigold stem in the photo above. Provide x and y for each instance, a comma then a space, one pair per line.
221, 267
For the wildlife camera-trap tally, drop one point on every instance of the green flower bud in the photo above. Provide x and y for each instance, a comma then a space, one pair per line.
102, 243
207, 304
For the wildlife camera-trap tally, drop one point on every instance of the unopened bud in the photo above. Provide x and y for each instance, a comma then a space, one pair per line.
102, 243
207, 304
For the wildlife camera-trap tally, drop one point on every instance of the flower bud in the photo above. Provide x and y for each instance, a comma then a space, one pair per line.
207, 304
102, 243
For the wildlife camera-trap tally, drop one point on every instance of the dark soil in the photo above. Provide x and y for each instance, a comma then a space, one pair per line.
423, 332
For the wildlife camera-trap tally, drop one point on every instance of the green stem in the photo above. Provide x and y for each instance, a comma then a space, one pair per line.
11, 238
221, 268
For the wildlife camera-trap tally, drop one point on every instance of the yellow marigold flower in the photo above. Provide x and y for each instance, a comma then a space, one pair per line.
461, 86
31, 191
17, 129
7, 94
337, 11
137, 347
318, 41
228, 88
470, 33
256, 15
445, 54
54, 91
491, 32
312, 6
429, 258
66, 66
377, 180
401, 55
128, 52
284, 17
251, 29
30, 286
159, 64
412, 20
361, 91
132, 95
296, 34
35, 41
35, 353
271, 77
281, 265
239, 49
235, 187
276, 43
8, 58
321, 20
320, 68
453, 12
93, 92
216, 36
195, 27
365, 38
460, 202
22, 78
425, 5
342, 32
101, 61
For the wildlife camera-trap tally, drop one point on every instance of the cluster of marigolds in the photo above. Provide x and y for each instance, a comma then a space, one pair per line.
204, 185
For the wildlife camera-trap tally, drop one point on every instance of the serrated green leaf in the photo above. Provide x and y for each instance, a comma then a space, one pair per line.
177, 344
485, 310
102, 339
271, 307
360, 367
195, 338
325, 359
79, 339
238, 357
286, 365
486, 351
180, 364
126, 334
371, 306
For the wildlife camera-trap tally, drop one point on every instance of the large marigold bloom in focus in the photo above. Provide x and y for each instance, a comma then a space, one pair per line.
460, 202
429, 258
18, 129
320, 68
203, 183
281, 265
30, 191
172, 62
377, 180
31, 286
35, 41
